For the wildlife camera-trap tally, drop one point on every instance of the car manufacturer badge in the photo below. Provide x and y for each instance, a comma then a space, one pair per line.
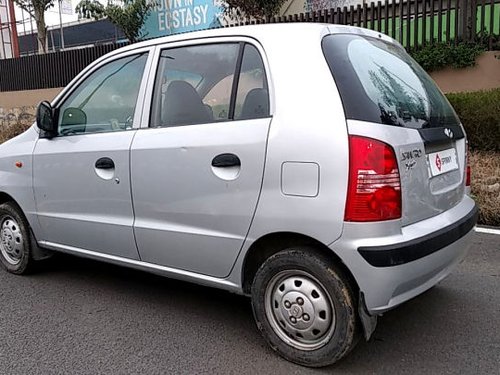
409, 165
448, 132
438, 162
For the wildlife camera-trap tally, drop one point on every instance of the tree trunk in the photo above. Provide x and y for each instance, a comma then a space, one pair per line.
41, 30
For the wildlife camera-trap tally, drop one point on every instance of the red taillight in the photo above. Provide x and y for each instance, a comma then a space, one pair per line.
374, 191
467, 168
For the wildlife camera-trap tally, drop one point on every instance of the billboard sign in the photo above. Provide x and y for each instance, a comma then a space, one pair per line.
177, 16
66, 7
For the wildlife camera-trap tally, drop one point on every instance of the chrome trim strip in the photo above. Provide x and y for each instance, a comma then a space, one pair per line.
144, 266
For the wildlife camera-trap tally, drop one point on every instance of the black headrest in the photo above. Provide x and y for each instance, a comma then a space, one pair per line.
256, 104
183, 106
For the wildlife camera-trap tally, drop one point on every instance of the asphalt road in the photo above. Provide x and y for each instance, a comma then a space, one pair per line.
80, 316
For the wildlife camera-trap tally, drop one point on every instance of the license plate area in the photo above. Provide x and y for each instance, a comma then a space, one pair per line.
442, 162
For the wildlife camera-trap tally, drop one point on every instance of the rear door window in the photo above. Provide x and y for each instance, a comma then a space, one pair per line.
185, 76
252, 99
209, 83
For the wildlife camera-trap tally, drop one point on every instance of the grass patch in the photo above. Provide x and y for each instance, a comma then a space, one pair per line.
485, 185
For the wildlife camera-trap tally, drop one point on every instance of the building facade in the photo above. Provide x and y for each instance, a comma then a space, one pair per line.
300, 6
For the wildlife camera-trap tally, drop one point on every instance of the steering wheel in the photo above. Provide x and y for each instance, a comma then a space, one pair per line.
68, 131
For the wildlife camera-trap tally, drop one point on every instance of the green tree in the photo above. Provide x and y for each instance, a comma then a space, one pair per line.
128, 15
317, 5
36, 9
253, 8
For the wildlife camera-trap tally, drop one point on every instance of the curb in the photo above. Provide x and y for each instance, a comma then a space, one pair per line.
488, 230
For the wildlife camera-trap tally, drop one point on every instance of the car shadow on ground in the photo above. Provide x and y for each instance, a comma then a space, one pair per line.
136, 283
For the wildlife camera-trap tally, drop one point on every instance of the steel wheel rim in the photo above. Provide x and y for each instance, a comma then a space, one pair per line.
11, 241
299, 310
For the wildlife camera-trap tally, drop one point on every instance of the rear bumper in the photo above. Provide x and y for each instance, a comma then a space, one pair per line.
401, 253
394, 268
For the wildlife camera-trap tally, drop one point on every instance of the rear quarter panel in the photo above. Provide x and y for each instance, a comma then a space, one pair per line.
308, 126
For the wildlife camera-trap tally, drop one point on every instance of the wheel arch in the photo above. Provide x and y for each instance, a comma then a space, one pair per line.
38, 253
273, 243
4, 198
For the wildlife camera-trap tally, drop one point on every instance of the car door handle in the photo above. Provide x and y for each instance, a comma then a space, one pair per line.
226, 160
105, 163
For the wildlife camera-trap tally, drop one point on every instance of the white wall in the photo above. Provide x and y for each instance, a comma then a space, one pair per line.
301, 6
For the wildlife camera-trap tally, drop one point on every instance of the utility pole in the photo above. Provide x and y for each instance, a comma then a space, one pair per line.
24, 22
33, 38
60, 24
13, 30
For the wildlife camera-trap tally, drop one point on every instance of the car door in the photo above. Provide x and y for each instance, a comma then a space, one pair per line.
81, 177
197, 169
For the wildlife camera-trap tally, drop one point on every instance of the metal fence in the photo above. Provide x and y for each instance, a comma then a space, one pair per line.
413, 23
48, 70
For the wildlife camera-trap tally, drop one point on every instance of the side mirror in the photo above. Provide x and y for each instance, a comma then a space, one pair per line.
45, 118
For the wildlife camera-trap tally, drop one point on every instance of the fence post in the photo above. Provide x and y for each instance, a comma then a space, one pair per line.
467, 20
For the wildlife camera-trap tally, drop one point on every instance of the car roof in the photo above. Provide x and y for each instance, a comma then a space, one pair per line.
263, 32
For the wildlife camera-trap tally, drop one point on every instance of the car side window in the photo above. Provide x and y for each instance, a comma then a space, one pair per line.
252, 99
184, 77
219, 98
106, 100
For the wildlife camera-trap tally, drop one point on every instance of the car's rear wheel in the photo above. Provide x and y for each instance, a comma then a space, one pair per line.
15, 240
304, 307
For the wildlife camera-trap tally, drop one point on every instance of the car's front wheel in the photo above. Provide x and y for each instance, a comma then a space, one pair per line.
15, 240
304, 307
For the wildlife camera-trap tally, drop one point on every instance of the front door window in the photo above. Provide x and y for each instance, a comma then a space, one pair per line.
106, 100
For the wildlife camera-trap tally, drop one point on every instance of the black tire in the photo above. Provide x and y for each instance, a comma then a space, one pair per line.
15, 240
302, 275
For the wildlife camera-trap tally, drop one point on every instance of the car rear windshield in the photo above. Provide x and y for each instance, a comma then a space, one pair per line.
380, 83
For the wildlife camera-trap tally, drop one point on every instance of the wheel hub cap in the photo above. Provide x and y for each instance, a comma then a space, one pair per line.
299, 310
11, 241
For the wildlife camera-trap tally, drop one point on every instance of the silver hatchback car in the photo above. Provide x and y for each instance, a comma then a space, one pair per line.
316, 168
